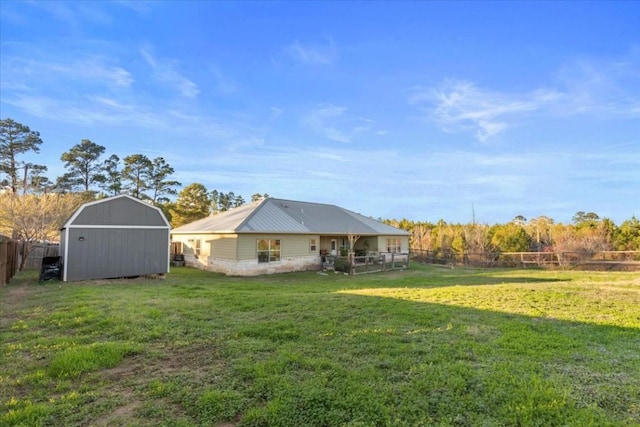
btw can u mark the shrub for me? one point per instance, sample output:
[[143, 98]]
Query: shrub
[[341, 264]]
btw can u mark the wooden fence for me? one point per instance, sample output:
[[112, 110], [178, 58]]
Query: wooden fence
[[8, 259], [37, 252], [600, 260]]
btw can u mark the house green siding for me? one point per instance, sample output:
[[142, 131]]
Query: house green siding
[[229, 239], [291, 245], [223, 246], [190, 244], [298, 245], [383, 240]]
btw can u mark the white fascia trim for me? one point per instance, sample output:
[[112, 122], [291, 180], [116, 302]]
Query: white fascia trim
[[146, 227], [66, 254], [168, 251]]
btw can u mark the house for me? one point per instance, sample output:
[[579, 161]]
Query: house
[[118, 236], [275, 235]]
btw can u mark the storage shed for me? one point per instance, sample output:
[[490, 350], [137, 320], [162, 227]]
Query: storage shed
[[119, 236]]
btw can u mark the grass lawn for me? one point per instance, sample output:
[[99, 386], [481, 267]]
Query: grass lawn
[[423, 347]]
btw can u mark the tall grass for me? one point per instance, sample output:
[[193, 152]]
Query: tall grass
[[427, 346]]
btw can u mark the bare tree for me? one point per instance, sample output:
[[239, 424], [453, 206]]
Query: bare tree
[[35, 219]]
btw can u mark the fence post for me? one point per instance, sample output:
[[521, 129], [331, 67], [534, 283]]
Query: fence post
[[8, 259], [4, 258]]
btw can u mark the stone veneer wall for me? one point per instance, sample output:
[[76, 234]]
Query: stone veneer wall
[[251, 267]]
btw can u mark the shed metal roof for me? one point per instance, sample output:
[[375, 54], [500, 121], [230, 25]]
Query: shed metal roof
[[289, 216], [117, 211]]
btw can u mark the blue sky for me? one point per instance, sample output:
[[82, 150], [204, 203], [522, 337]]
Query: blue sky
[[418, 110]]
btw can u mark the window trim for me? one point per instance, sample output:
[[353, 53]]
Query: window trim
[[273, 251], [394, 245]]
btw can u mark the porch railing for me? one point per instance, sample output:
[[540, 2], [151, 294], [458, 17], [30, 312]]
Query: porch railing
[[370, 263]]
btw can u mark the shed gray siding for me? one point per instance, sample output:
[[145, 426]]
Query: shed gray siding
[[116, 252], [115, 237]]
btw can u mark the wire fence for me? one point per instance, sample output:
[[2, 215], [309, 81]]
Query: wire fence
[[597, 260]]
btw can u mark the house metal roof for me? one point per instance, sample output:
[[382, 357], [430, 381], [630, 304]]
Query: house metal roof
[[291, 217]]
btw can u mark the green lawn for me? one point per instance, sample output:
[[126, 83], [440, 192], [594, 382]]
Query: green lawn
[[422, 347]]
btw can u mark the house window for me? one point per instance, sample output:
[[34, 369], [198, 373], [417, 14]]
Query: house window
[[312, 245], [197, 247], [268, 250], [393, 245]]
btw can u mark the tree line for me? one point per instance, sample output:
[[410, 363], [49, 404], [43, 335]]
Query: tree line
[[588, 233], [93, 176], [33, 207], [86, 170]]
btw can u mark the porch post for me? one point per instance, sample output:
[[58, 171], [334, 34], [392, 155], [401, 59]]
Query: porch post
[[351, 267]]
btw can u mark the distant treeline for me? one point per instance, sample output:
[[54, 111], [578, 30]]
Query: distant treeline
[[27, 215], [587, 233]]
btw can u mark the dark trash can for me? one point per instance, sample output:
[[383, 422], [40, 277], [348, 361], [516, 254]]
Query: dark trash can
[[178, 260], [50, 268]]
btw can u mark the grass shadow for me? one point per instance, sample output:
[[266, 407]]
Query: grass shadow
[[419, 347]]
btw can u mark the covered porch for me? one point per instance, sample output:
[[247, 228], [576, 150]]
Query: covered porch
[[369, 254]]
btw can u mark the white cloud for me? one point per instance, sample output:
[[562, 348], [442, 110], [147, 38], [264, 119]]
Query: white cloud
[[461, 105], [91, 69], [165, 73], [112, 103], [318, 54], [276, 112], [335, 123], [89, 110], [141, 7], [223, 84], [321, 121], [601, 88], [610, 88]]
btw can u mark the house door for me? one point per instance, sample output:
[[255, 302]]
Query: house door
[[334, 247]]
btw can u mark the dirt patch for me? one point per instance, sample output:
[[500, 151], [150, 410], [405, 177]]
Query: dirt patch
[[15, 294], [197, 360], [119, 416], [12, 296], [129, 382]]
